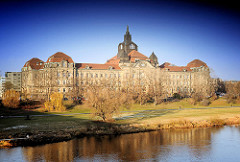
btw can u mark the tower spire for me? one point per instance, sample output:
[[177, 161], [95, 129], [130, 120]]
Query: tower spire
[[127, 37]]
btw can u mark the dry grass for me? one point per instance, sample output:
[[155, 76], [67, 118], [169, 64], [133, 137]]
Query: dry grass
[[190, 118]]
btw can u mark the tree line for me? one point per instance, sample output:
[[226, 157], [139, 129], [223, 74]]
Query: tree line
[[107, 97]]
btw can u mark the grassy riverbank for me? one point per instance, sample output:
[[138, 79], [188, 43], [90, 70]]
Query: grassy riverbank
[[47, 129]]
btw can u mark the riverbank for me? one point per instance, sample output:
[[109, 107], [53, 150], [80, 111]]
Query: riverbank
[[49, 129]]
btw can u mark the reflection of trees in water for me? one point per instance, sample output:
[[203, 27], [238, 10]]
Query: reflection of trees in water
[[148, 145]]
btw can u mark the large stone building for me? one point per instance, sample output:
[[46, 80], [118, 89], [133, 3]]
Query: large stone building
[[15, 79], [129, 68]]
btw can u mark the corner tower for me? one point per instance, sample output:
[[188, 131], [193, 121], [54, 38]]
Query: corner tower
[[126, 47], [153, 59]]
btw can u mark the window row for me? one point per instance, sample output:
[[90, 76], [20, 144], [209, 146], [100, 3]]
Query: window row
[[97, 75], [180, 76]]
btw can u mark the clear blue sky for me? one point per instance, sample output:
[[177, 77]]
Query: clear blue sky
[[177, 31]]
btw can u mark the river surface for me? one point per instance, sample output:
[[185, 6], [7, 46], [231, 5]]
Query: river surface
[[205, 144]]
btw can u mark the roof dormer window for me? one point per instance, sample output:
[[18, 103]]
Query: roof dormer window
[[87, 67]]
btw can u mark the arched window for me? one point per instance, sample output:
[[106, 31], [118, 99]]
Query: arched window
[[121, 46], [132, 46]]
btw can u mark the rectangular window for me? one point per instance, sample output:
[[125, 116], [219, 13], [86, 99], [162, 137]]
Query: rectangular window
[[63, 89]]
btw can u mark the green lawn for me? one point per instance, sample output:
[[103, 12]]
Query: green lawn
[[138, 115]]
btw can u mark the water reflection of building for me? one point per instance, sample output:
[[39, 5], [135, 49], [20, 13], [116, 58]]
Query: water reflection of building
[[131, 147]]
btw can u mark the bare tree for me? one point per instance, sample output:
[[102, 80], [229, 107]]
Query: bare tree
[[233, 91], [11, 98], [8, 85], [105, 99]]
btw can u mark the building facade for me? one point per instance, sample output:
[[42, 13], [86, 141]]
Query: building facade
[[15, 79], [129, 68], [2, 81]]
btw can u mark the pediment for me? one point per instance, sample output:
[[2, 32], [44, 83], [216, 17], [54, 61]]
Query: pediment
[[142, 64]]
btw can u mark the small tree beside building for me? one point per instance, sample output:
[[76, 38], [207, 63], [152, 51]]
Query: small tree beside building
[[55, 103], [11, 98]]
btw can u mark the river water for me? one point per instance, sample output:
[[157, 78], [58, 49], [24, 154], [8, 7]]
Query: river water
[[205, 144]]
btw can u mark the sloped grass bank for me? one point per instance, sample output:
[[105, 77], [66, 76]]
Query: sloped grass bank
[[187, 118], [48, 129]]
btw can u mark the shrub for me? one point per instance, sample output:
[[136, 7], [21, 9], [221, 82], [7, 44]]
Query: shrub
[[238, 100], [196, 97], [55, 103], [214, 97], [205, 102], [11, 99], [176, 96], [230, 98]]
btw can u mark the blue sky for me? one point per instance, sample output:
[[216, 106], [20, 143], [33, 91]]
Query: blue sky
[[177, 31]]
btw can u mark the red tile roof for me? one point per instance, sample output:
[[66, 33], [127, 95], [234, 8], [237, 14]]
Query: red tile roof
[[171, 67], [133, 55], [196, 63], [35, 63], [58, 57], [96, 66]]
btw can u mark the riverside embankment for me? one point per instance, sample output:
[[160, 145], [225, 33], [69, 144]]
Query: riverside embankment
[[42, 129]]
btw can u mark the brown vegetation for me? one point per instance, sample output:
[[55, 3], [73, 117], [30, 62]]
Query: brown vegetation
[[8, 85], [106, 100], [5, 144], [55, 103], [11, 99], [205, 102], [233, 92]]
